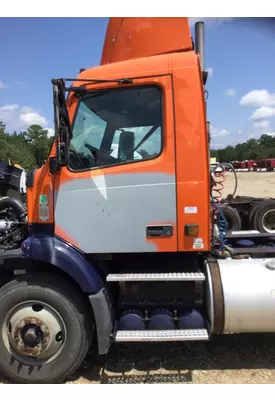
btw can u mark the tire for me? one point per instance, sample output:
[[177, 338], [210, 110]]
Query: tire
[[264, 215], [251, 214], [63, 307], [232, 217]]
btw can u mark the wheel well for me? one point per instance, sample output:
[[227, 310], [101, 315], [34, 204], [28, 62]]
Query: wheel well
[[10, 272], [39, 266]]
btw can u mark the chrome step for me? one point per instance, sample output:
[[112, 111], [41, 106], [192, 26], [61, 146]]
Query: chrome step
[[174, 335], [167, 276]]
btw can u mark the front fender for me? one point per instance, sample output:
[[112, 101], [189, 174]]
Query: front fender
[[52, 250]]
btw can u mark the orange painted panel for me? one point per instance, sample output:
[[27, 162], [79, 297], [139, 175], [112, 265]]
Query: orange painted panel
[[185, 145], [164, 164], [135, 37], [192, 163], [43, 185]]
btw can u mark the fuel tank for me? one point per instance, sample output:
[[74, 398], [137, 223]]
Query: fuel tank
[[249, 295]]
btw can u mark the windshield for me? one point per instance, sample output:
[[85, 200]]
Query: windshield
[[117, 126]]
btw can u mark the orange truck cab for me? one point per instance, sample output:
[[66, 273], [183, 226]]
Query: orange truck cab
[[147, 98], [123, 244]]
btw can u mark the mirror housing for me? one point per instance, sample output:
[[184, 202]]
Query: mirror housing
[[61, 122], [54, 165]]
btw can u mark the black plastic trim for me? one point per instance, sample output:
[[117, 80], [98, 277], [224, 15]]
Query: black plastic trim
[[160, 231], [30, 178], [54, 165], [102, 309], [204, 77], [37, 229]]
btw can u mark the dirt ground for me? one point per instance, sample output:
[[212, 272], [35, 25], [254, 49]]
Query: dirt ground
[[224, 359], [258, 184]]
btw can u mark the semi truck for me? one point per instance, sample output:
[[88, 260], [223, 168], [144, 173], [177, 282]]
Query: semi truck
[[116, 248], [264, 165]]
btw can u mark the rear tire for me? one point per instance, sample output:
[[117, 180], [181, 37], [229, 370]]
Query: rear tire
[[264, 217], [37, 307], [232, 217], [251, 214]]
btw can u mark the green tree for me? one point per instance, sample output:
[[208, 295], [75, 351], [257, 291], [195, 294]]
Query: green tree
[[2, 128], [253, 149], [37, 137], [3, 148], [24, 148]]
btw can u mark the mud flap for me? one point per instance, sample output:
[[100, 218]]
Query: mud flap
[[103, 314]]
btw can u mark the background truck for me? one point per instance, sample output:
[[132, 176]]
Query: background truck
[[118, 248], [264, 165], [12, 181], [241, 213]]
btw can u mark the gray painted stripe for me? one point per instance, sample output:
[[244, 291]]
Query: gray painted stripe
[[110, 213]]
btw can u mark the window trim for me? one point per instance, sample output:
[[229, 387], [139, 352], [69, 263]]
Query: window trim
[[162, 104]]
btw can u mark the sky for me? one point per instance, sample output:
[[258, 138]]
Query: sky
[[239, 56]]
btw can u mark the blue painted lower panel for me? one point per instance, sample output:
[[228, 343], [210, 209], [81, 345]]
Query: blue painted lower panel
[[52, 250]]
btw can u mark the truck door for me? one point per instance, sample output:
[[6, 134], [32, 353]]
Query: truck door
[[118, 192]]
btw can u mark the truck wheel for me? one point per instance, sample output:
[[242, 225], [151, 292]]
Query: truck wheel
[[251, 214], [232, 217], [264, 217], [45, 332]]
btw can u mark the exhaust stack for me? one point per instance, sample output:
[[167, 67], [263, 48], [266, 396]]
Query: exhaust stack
[[199, 48], [199, 41]]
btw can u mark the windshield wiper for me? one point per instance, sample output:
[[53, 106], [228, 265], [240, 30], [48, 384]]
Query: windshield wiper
[[82, 88]]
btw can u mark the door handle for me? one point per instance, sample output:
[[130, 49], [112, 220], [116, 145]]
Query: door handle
[[161, 231]]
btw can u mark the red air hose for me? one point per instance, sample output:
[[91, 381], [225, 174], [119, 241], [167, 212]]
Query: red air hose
[[219, 179]]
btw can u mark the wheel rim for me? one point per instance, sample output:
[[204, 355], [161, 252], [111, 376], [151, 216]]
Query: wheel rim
[[34, 333], [268, 221]]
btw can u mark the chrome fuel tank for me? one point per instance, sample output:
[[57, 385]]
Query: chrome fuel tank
[[249, 295]]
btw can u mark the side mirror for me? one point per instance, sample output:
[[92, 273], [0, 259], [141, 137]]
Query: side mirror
[[54, 165]]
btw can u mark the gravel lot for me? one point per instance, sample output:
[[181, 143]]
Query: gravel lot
[[258, 184], [225, 359]]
